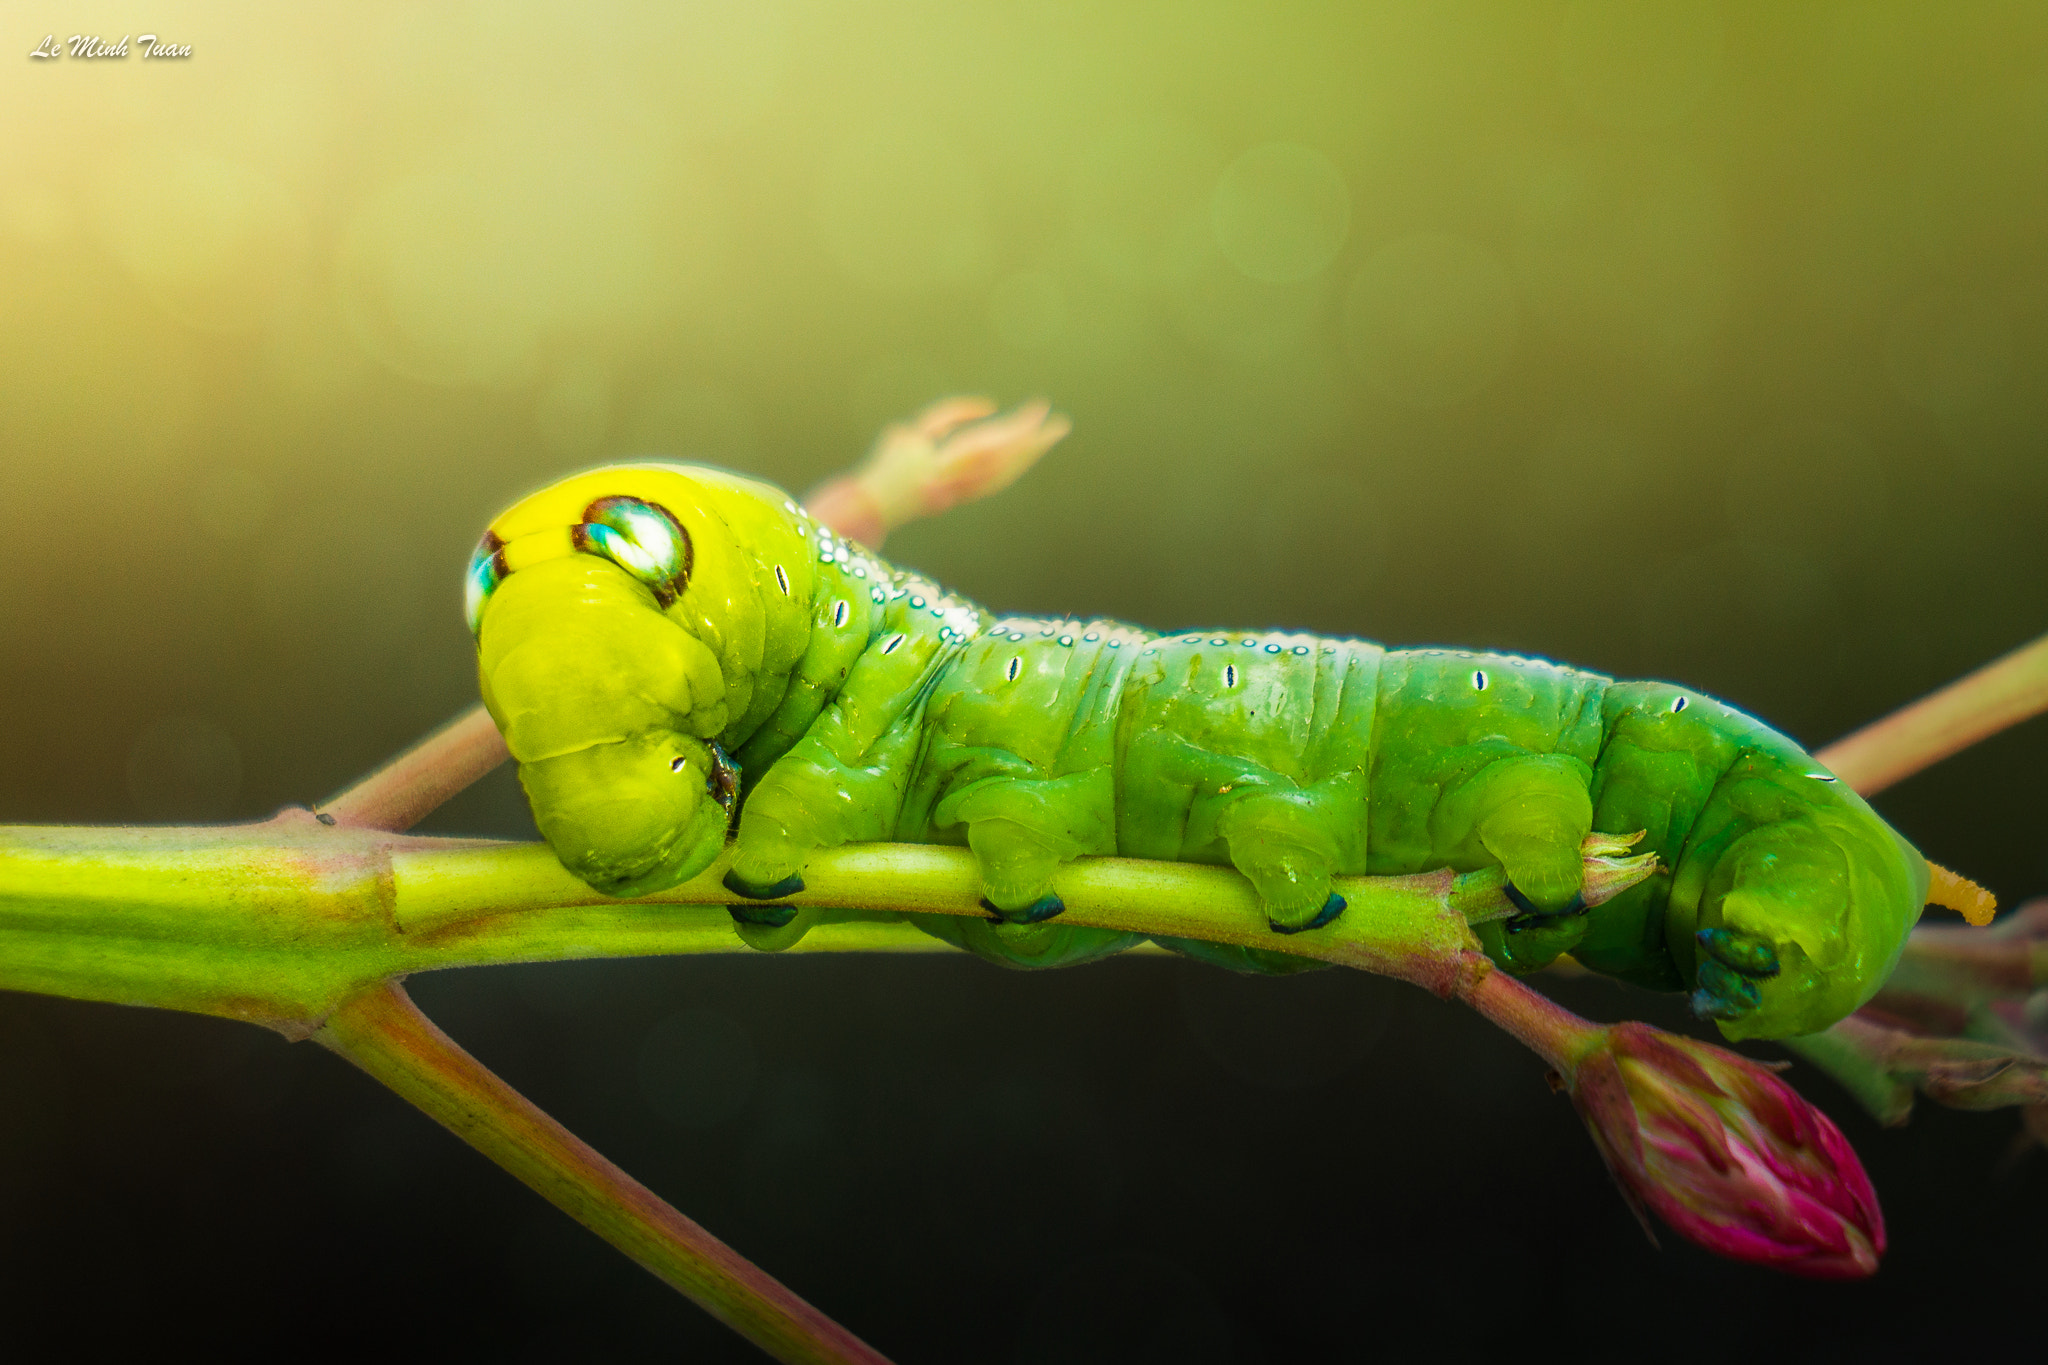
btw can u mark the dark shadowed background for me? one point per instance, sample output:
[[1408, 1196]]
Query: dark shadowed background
[[1695, 341]]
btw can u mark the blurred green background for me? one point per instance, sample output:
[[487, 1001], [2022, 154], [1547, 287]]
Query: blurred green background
[[1698, 341]]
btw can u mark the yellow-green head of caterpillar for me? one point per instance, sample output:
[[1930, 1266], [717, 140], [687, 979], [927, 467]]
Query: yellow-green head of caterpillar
[[626, 620]]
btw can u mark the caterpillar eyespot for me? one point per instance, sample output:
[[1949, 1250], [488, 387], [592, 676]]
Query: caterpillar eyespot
[[1230, 675], [839, 613], [1677, 705], [1478, 680], [641, 537], [676, 764], [1016, 665], [644, 538], [486, 570], [782, 580]]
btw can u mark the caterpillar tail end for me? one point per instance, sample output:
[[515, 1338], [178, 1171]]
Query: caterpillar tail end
[[1953, 891]]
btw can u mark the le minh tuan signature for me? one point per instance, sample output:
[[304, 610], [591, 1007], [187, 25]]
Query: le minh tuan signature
[[87, 48]]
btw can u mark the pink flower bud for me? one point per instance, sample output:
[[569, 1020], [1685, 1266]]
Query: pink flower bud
[[1727, 1154]]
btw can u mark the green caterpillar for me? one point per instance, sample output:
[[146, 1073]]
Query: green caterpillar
[[666, 647]]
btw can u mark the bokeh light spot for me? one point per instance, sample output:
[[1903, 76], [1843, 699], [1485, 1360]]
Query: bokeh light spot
[[1133, 189], [456, 276], [1280, 212], [1227, 311], [423, 287], [217, 245]]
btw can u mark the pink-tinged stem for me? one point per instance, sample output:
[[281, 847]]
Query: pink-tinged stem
[[407, 789], [1546, 1028], [2000, 694], [385, 1034]]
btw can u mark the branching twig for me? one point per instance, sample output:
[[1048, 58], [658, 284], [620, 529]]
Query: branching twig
[[953, 452], [307, 921], [2000, 694], [382, 1032], [411, 786]]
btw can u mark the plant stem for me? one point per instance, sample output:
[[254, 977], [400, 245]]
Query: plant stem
[[490, 899], [2000, 694], [1948, 974], [1845, 1053], [1546, 1028], [384, 1033], [404, 791]]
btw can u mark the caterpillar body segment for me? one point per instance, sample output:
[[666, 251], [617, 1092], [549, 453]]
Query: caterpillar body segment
[[639, 625]]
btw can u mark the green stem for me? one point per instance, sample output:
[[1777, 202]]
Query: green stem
[[279, 922], [499, 899], [382, 1032], [1845, 1053], [302, 924], [1883, 1066]]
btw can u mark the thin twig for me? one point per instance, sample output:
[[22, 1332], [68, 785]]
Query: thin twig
[[2000, 694], [384, 1033], [1531, 1018], [407, 789]]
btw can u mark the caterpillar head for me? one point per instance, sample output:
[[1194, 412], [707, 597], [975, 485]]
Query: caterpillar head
[[632, 624], [1792, 901]]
